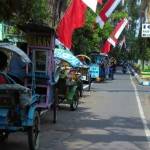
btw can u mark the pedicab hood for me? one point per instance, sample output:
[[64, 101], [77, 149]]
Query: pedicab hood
[[67, 56], [12, 48]]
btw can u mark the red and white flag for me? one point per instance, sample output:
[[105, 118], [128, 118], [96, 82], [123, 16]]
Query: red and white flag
[[117, 31], [92, 3], [73, 18], [106, 47], [106, 11]]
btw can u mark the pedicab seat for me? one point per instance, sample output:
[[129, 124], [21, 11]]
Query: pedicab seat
[[13, 94]]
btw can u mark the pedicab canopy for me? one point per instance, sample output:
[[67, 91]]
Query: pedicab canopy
[[67, 56], [12, 48], [83, 57], [85, 60]]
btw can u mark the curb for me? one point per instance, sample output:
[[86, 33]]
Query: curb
[[141, 82]]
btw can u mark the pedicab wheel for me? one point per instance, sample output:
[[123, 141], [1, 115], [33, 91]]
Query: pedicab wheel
[[33, 133], [75, 102], [81, 90], [55, 104], [81, 93], [89, 88], [90, 81], [3, 136]]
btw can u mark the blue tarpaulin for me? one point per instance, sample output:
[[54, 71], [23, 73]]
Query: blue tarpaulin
[[67, 56]]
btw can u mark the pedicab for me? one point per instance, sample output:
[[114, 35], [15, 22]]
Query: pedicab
[[69, 85], [98, 66], [85, 69], [19, 110]]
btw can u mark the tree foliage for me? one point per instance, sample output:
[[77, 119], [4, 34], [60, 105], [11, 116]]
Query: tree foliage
[[12, 10], [24, 11], [86, 39], [139, 47]]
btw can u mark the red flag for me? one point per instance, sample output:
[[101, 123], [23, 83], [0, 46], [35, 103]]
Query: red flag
[[73, 18], [100, 1], [106, 11], [106, 48], [117, 31]]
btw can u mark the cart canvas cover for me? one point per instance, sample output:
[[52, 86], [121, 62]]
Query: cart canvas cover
[[67, 56], [12, 48]]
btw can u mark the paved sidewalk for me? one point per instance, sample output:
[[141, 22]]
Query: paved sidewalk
[[141, 81]]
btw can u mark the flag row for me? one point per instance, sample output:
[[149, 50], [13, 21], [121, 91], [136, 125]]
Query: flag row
[[74, 18]]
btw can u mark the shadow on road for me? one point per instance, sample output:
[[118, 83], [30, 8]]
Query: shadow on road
[[82, 125]]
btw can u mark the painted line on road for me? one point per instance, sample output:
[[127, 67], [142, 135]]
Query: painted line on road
[[43, 112], [143, 118], [86, 86]]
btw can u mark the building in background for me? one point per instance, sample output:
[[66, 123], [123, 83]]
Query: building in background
[[9, 33]]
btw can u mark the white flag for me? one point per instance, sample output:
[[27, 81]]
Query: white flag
[[91, 4]]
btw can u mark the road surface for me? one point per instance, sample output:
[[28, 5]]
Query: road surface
[[113, 116]]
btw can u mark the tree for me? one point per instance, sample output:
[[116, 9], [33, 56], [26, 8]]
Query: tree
[[24, 11], [139, 46]]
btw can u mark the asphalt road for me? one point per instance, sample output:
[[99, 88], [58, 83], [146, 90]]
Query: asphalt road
[[108, 118]]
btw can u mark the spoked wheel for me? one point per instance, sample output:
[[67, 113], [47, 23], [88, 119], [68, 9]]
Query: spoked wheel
[[33, 133], [89, 82], [81, 90], [55, 108], [75, 102], [3, 136], [89, 88]]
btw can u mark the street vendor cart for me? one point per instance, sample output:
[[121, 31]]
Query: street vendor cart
[[41, 74]]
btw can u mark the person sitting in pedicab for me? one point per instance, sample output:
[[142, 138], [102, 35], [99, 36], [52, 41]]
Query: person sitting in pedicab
[[61, 84], [71, 77], [71, 84], [3, 66]]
